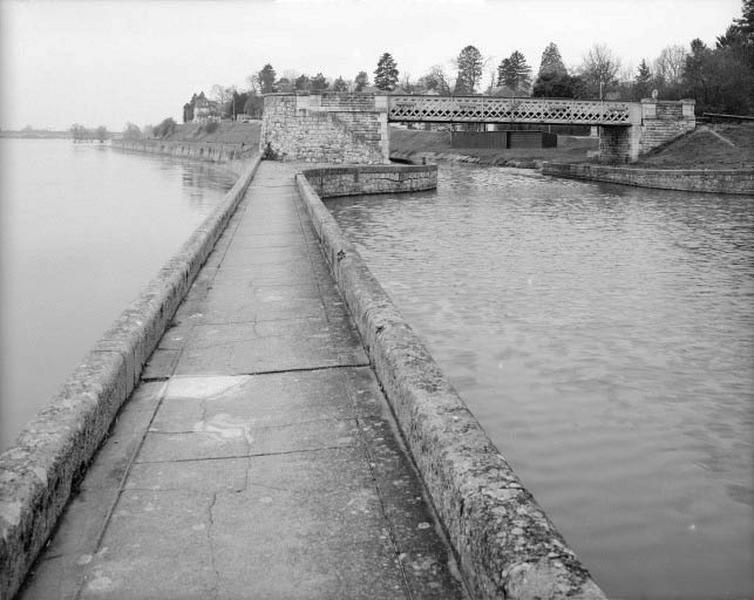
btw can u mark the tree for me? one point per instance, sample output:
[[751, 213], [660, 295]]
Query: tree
[[553, 85], [340, 85], [131, 132], [514, 73], [165, 128], [319, 83], [643, 81], [436, 80], [361, 81], [470, 65], [254, 106], [669, 66], [302, 83], [79, 132], [551, 62], [599, 70], [101, 133], [386, 73], [266, 78]]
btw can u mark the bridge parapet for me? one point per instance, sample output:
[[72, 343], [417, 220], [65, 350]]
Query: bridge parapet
[[488, 109]]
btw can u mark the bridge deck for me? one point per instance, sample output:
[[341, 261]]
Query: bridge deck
[[255, 460], [487, 109]]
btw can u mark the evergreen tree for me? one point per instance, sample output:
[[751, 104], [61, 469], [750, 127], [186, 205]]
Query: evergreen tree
[[386, 73], [469, 69], [551, 62], [361, 81], [339, 85], [643, 81], [514, 73], [319, 83], [303, 83], [266, 79], [552, 85]]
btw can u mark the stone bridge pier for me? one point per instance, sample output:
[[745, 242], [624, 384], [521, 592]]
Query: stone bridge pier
[[353, 127]]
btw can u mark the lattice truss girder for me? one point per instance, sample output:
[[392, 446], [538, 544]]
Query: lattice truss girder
[[507, 110]]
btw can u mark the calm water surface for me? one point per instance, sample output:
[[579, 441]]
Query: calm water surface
[[84, 228], [604, 337]]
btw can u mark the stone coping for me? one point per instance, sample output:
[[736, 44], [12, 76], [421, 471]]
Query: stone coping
[[505, 544], [717, 181], [39, 473], [371, 179]]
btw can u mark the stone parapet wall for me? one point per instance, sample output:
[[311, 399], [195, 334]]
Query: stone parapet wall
[[688, 180], [664, 121], [350, 181], [204, 151], [505, 544], [39, 473], [334, 128]]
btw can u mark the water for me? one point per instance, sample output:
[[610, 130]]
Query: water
[[84, 228], [604, 337]]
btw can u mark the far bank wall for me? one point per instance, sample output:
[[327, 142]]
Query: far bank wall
[[688, 180]]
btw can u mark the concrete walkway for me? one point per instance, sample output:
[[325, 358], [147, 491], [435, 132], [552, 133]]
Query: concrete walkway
[[256, 459]]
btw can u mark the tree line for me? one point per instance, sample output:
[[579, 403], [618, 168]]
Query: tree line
[[79, 133], [719, 78]]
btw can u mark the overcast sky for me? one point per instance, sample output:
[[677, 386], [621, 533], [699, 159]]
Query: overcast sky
[[106, 63]]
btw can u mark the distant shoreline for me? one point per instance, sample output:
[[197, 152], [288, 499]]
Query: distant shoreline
[[36, 134]]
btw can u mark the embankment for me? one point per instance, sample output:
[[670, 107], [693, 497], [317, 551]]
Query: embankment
[[730, 181], [218, 152], [39, 473], [505, 544]]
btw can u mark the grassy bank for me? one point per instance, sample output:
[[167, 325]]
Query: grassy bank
[[227, 132], [404, 142], [729, 146]]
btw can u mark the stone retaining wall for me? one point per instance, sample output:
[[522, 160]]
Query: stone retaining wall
[[350, 181], [687, 180], [205, 151], [328, 128], [505, 544], [52, 452]]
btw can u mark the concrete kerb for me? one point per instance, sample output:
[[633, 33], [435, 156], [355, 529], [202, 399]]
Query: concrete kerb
[[51, 453], [505, 544]]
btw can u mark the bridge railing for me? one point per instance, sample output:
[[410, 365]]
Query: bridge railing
[[487, 109]]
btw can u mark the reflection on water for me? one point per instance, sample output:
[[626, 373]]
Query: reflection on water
[[604, 337], [84, 228]]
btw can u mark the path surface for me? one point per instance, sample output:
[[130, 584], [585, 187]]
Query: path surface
[[256, 458]]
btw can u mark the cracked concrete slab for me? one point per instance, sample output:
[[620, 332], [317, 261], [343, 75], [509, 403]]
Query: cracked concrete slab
[[264, 466]]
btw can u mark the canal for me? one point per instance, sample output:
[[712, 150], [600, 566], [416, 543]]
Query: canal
[[84, 228], [604, 337]]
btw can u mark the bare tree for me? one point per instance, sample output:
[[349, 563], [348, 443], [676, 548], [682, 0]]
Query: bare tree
[[437, 80], [599, 69], [669, 66]]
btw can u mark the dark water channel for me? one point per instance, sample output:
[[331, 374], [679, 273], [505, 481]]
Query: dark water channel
[[604, 337], [83, 229]]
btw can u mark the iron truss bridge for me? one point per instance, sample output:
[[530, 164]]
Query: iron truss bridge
[[485, 109]]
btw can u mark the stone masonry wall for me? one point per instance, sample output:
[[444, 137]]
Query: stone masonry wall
[[663, 121], [332, 128], [653, 124], [349, 181], [690, 180], [614, 145]]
